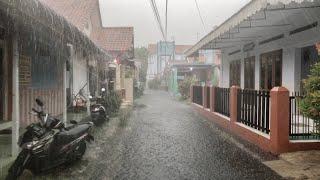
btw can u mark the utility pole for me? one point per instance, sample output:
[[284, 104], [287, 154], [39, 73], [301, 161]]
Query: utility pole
[[166, 20]]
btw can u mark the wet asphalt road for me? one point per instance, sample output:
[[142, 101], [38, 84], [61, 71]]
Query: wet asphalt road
[[163, 139]]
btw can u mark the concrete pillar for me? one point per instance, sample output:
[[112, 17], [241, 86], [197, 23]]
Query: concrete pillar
[[257, 70], [233, 103], [64, 112], [242, 71], [191, 93], [15, 95], [212, 98], [204, 97], [288, 68], [279, 121], [88, 88]]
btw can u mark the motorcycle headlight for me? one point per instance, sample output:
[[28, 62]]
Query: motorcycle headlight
[[96, 109]]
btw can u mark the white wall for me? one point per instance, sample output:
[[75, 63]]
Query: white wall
[[152, 66], [80, 73], [291, 59]]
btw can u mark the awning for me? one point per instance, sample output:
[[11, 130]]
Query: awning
[[256, 16]]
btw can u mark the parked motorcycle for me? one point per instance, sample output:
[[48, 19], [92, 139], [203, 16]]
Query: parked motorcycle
[[49, 143], [98, 111]]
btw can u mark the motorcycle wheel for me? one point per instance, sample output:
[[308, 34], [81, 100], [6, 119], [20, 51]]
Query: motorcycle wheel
[[81, 149], [17, 168]]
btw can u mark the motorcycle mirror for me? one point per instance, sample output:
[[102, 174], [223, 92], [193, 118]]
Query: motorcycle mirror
[[39, 102], [103, 89]]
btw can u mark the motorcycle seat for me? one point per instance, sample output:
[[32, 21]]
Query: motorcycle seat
[[72, 134]]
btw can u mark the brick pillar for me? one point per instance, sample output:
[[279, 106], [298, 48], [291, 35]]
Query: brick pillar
[[233, 103], [204, 96], [279, 121], [212, 98], [191, 93]]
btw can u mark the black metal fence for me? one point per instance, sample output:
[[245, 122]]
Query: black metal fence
[[197, 95], [300, 126], [208, 105], [222, 101], [254, 109]]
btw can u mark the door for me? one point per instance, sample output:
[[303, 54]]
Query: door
[[235, 73], [271, 70]]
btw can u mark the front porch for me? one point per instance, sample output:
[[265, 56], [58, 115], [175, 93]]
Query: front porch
[[267, 44]]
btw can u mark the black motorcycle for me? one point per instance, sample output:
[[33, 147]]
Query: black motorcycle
[[97, 110], [49, 143]]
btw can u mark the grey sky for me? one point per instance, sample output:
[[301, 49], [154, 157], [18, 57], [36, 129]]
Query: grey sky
[[184, 23]]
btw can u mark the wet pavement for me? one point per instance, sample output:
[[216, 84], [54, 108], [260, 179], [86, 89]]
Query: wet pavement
[[162, 139]]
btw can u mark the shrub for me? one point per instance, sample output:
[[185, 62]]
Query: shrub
[[111, 102], [184, 87], [310, 104], [138, 89]]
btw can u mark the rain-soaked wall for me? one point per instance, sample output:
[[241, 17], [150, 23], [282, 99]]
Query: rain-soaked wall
[[40, 76]]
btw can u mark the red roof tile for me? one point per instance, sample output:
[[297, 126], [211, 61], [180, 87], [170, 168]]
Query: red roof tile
[[77, 12], [180, 49], [152, 48], [116, 38], [80, 12]]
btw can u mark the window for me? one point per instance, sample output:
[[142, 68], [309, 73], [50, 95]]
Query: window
[[271, 70], [235, 73], [249, 68]]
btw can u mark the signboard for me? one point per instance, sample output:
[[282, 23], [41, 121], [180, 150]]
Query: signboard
[[24, 70], [165, 48]]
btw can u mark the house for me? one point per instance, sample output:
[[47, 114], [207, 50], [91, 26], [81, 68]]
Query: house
[[204, 69], [267, 49], [35, 46], [119, 43], [161, 54], [87, 73], [271, 46]]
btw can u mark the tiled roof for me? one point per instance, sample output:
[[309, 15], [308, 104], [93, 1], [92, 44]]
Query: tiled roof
[[116, 38], [152, 48], [77, 12], [180, 49]]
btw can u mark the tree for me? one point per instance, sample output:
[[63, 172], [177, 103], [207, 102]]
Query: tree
[[142, 53], [310, 104]]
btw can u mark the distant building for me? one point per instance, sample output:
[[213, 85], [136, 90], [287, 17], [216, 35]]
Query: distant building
[[163, 54]]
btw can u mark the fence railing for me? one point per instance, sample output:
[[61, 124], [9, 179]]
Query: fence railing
[[300, 126], [208, 97], [197, 95], [254, 109], [222, 99]]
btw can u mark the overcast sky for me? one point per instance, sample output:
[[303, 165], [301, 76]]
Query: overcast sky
[[184, 24]]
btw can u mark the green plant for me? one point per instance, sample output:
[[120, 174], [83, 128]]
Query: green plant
[[310, 104], [184, 87], [112, 102], [138, 89]]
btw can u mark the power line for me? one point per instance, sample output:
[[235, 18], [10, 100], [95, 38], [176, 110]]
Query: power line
[[202, 21], [157, 17]]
